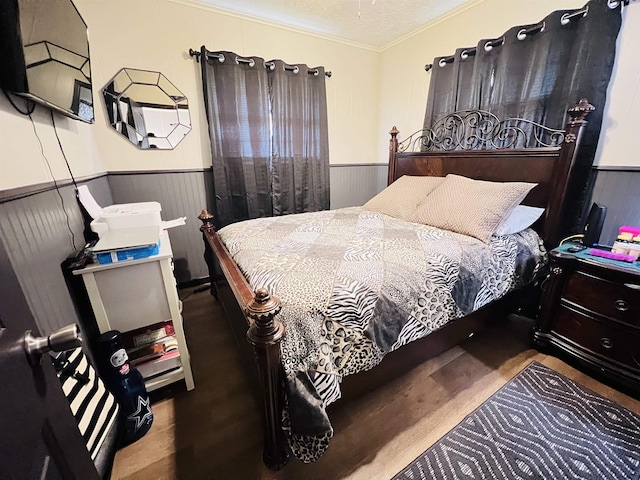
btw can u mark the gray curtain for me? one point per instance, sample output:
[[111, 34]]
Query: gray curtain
[[567, 56], [237, 104], [269, 136], [300, 158]]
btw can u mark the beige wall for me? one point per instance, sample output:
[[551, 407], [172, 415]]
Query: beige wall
[[369, 92], [404, 83], [156, 35], [21, 160], [618, 145]]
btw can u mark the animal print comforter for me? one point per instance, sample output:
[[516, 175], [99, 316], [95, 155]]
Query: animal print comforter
[[356, 285]]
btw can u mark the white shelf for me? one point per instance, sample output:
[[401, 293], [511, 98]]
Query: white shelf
[[164, 379], [164, 252], [137, 293]]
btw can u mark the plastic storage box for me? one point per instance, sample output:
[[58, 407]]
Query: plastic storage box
[[127, 254]]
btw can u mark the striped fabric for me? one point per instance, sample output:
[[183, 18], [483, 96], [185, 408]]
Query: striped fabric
[[93, 406], [355, 285]]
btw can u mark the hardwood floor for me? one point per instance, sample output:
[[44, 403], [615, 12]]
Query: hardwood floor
[[213, 432]]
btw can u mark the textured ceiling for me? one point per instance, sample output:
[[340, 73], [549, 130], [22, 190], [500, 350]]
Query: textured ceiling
[[372, 23]]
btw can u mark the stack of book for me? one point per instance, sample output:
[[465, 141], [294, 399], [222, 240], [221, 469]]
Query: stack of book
[[154, 350], [140, 337]]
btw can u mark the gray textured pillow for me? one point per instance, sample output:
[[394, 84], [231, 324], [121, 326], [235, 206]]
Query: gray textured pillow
[[402, 197], [470, 207]]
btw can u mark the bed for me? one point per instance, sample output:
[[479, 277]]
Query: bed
[[394, 282]]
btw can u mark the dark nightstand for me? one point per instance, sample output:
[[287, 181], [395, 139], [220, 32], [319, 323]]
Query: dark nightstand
[[590, 310]]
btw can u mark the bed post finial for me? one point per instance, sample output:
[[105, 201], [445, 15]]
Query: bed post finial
[[207, 228], [265, 334], [580, 111], [207, 221], [393, 150], [262, 310]]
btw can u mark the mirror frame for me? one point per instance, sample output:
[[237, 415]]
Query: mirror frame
[[121, 115]]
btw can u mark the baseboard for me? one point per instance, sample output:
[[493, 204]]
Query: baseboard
[[194, 282]]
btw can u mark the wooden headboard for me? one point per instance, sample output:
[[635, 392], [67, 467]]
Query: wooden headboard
[[504, 155], [476, 144]]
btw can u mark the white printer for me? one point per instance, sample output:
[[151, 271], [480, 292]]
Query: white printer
[[127, 231], [127, 216]]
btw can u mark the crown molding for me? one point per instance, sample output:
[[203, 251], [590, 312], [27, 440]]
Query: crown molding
[[432, 24], [271, 23]]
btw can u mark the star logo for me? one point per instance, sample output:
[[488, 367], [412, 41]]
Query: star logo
[[143, 413]]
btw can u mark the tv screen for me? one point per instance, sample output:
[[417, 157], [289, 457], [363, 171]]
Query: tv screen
[[45, 55]]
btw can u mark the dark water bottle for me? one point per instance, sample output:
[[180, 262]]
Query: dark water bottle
[[127, 385]]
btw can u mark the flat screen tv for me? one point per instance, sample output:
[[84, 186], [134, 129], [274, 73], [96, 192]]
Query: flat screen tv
[[44, 55]]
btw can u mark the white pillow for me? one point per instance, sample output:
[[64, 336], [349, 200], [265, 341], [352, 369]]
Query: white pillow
[[520, 218]]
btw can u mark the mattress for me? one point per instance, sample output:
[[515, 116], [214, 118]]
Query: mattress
[[356, 285]]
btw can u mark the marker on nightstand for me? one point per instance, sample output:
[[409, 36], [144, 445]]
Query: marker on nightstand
[[611, 255]]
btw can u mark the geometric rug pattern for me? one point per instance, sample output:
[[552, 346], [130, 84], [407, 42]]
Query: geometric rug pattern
[[540, 425]]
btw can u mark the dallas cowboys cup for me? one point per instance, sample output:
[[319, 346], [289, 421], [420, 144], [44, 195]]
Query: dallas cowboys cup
[[127, 385]]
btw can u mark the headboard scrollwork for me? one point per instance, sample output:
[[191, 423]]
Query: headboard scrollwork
[[477, 144], [481, 130]]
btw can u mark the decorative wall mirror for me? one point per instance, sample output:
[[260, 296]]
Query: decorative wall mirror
[[147, 109]]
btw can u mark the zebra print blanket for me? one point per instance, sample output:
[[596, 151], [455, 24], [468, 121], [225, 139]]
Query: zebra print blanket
[[356, 285]]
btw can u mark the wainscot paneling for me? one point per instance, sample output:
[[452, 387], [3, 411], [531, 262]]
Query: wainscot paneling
[[33, 226], [38, 236], [353, 185], [186, 193], [618, 191], [181, 194]]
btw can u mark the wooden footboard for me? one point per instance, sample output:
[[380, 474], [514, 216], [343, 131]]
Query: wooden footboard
[[549, 167], [256, 322], [264, 333]]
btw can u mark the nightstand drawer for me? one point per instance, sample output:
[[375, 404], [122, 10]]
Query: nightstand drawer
[[608, 341], [614, 300]]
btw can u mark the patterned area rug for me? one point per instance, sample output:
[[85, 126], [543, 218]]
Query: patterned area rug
[[540, 425]]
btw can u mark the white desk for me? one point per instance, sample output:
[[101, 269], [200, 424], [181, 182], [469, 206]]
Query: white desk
[[137, 293]]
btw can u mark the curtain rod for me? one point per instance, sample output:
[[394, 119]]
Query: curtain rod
[[251, 62]]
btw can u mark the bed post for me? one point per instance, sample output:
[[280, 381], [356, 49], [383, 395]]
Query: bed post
[[265, 334], [207, 227], [393, 149], [562, 172]]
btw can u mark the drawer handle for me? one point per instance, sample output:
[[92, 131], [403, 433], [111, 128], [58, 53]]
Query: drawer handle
[[632, 286], [622, 305], [606, 343]]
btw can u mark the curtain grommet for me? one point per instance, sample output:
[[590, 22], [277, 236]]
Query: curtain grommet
[[566, 17]]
